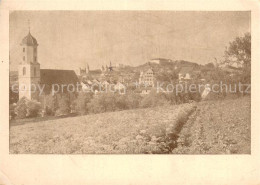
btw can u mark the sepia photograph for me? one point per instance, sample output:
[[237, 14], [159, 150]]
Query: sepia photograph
[[129, 82]]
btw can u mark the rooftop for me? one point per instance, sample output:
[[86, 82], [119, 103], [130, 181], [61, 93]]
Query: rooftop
[[53, 76], [29, 40]]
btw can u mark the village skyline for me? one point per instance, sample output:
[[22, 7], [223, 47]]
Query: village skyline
[[124, 37]]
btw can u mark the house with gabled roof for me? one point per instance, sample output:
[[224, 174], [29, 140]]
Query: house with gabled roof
[[147, 77], [121, 88], [105, 83]]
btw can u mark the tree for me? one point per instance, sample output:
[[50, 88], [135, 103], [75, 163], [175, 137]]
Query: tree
[[13, 96], [121, 102], [133, 100], [51, 104], [104, 102], [81, 102], [239, 51], [21, 109], [209, 65], [33, 108], [27, 108], [64, 105], [154, 99], [167, 76]]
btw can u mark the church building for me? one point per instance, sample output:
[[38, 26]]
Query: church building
[[30, 75]]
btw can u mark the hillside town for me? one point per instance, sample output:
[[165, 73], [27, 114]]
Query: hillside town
[[124, 79], [139, 79]]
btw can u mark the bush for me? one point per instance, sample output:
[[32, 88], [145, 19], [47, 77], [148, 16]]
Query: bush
[[133, 100], [27, 108], [172, 98], [11, 111], [33, 108], [154, 99], [51, 104], [13, 96], [196, 96], [81, 102], [109, 102], [121, 102], [105, 102], [64, 105], [21, 108]]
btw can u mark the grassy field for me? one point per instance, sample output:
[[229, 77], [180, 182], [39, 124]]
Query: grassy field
[[132, 131], [217, 127], [209, 127]]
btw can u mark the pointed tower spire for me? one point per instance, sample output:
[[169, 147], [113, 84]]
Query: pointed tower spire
[[29, 25]]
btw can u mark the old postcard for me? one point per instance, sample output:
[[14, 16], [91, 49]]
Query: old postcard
[[130, 81]]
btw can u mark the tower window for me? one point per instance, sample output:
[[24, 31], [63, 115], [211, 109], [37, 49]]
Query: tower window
[[34, 71], [23, 49], [35, 59], [34, 50], [23, 58], [24, 71]]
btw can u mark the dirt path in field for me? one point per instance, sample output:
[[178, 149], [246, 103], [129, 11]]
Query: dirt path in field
[[217, 127]]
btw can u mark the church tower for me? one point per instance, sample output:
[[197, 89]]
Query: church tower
[[29, 69]]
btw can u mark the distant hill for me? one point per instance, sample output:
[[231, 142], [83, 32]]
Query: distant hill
[[166, 64]]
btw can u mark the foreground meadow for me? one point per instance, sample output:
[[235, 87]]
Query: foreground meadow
[[151, 130], [207, 127]]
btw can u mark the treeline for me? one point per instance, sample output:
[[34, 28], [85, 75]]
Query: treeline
[[88, 103]]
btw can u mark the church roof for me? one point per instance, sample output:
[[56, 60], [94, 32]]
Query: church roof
[[29, 40], [53, 76]]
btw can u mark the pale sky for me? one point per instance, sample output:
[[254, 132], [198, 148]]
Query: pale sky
[[70, 39]]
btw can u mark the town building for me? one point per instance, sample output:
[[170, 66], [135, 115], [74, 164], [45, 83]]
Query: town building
[[86, 73], [119, 87], [146, 90], [185, 73], [147, 77]]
